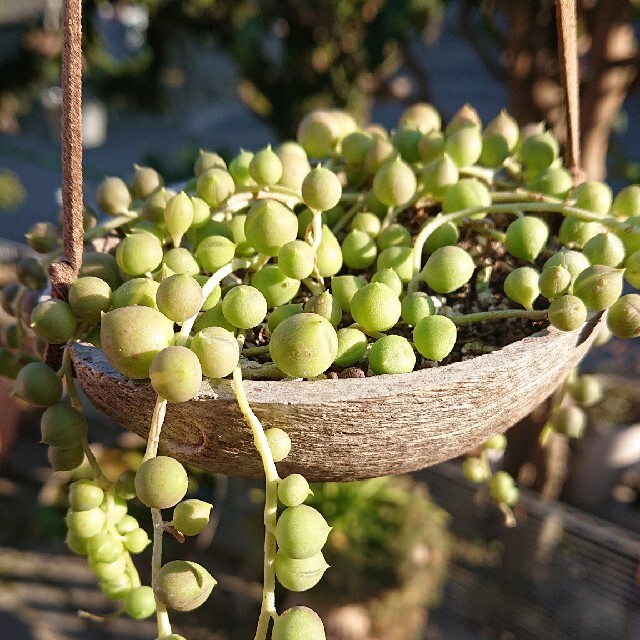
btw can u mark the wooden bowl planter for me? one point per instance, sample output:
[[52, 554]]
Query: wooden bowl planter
[[349, 429]]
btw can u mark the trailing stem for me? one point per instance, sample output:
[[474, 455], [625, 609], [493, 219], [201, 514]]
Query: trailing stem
[[549, 207], [358, 205], [260, 192], [316, 226], [393, 212], [162, 616], [499, 314], [268, 607], [109, 225], [208, 287], [157, 420]]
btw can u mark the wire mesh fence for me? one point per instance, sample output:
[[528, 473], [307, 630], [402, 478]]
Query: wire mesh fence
[[560, 574]]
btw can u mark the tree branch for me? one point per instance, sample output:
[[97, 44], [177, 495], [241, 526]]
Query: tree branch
[[467, 26]]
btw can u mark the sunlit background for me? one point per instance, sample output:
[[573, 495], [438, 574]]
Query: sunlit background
[[164, 79]]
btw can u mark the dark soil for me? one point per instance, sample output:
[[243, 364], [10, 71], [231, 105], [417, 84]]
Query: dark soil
[[483, 293]]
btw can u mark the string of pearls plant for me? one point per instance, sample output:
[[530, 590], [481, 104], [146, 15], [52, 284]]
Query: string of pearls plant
[[353, 249]]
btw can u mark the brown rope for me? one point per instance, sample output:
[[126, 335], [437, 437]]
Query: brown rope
[[568, 52], [63, 273]]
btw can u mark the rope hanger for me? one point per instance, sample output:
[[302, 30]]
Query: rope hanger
[[63, 273], [568, 52]]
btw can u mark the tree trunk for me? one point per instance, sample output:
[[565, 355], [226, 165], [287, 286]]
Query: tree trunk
[[529, 57], [609, 66], [610, 79]]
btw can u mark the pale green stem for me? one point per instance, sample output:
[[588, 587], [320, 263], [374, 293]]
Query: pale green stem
[[268, 607], [109, 225], [259, 261], [389, 218], [157, 420], [316, 230], [314, 238], [350, 213], [98, 475], [486, 231], [499, 314], [132, 572], [348, 196], [522, 195], [231, 206], [507, 512], [208, 287], [244, 195], [487, 175], [414, 283], [550, 207], [392, 213], [314, 287], [109, 523], [255, 351], [95, 618], [258, 192], [545, 434], [162, 617], [260, 440]]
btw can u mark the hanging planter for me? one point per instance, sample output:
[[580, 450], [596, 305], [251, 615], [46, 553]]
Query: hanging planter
[[379, 425], [340, 351], [358, 428], [349, 428]]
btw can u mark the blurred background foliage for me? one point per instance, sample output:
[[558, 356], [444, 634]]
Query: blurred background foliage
[[295, 55]]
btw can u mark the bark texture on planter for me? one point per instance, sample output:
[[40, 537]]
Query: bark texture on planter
[[351, 428]]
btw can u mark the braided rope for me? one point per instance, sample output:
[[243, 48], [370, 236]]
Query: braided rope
[[568, 52], [64, 272]]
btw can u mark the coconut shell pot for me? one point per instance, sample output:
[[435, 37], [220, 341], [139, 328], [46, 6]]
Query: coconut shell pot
[[349, 429]]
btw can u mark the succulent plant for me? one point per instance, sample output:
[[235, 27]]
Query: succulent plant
[[372, 259]]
